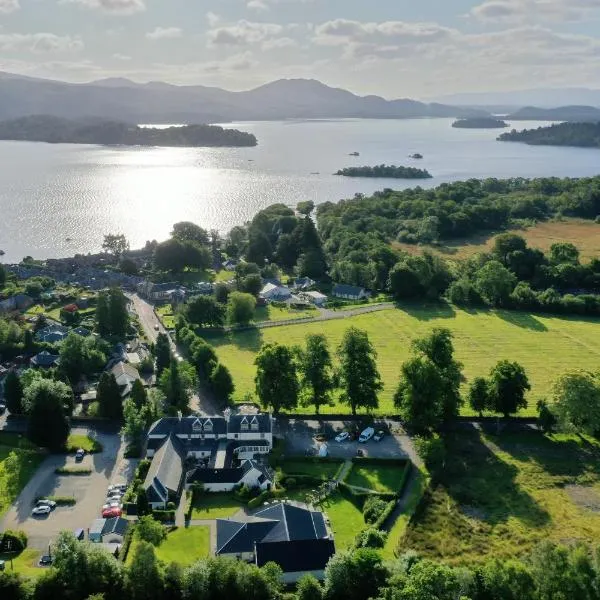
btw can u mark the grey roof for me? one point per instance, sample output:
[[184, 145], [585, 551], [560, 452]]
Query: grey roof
[[217, 475], [234, 537], [116, 525], [166, 469], [45, 359], [82, 331], [297, 556], [347, 290], [296, 523], [263, 421], [188, 426], [97, 526]]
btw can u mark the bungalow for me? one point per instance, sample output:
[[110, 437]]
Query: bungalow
[[125, 375], [294, 536], [349, 292], [230, 264], [108, 531], [157, 292], [52, 334], [303, 283], [315, 298], [277, 293], [250, 473], [45, 360]]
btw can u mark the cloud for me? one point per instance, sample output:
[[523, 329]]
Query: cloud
[[39, 43], [8, 6], [164, 33], [118, 7], [264, 5], [123, 57], [521, 11], [243, 33], [278, 43]]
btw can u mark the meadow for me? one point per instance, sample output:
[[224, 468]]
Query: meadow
[[545, 345]]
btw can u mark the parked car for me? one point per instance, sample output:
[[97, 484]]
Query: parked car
[[342, 437], [2, 408], [45, 560], [50, 503], [79, 534], [379, 436], [108, 513], [2, 565], [79, 455], [323, 450], [41, 510], [366, 435], [111, 504], [117, 487]]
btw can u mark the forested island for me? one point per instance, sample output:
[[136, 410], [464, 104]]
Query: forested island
[[55, 130], [390, 171], [584, 135], [480, 123]]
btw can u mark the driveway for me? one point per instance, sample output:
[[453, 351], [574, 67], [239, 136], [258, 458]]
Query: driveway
[[89, 491], [299, 436]]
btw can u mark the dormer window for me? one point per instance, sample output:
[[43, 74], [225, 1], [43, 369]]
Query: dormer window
[[244, 424], [197, 425], [254, 424], [208, 425]]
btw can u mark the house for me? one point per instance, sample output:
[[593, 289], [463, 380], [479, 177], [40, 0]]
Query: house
[[83, 302], [16, 302], [221, 453], [158, 292], [315, 298], [133, 358], [303, 283], [108, 531], [277, 293], [52, 334], [349, 292], [230, 264], [125, 375], [45, 360], [294, 536], [82, 331], [204, 288], [70, 308]]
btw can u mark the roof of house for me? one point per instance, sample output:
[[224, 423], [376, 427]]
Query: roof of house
[[97, 526], [45, 359], [347, 290], [316, 295], [125, 375], [295, 523], [262, 421], [82, 331], [116, 525], [71, 308], [166, 468], [216, 425], [235, 537], [304, 282], [296, 556]]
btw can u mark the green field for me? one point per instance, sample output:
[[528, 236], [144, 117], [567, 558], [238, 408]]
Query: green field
[[76, 441], [377, 477], [24, 563], [500, 495], [276, 313], [313, 467], [545, 345], [185, 545], [215, 506]]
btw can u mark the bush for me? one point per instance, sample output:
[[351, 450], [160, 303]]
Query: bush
[[373, 508], [13, 541], [150, 530], [385, 515], [164, 516], [60, 500], [171, 506], [370, 538], [72, 471]]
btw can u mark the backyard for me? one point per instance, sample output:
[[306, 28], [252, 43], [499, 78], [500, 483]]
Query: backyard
[[545, 345], [378, 476], [215, 506], [185, 545], [500, 495]]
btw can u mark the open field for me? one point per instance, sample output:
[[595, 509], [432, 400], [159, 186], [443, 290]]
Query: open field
[[377, 477], [275, 313], [185, 545], [582, 233], [500, 495], [24, 563], [545, 345], [216, 506]]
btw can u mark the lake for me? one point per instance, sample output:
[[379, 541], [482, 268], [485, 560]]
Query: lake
[[58, 200]]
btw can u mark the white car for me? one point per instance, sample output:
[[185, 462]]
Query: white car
[[112, 504], [342, 437], [41, 510], [366, 435], [49, 503]]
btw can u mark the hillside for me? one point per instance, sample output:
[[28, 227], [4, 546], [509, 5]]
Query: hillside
[[584, 135], [44, 128], [562, 113], [158, 102]]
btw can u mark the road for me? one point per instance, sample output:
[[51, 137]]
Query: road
[[89, 491]]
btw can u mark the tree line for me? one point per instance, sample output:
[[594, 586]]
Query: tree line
[[585, 135], [389, 171]]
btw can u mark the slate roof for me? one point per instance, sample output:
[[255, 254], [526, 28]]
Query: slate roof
[[166, 468], [294, 557], [295, 523], [116, 525], [341, 289], [197, 425], [234, 537], [45, 359], [263, 420]]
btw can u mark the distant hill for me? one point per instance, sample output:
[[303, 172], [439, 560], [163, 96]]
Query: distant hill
[[584, 135], [55, 130], [562, 113], [157, 102]]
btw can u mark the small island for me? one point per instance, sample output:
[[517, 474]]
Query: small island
[[416, 156], [55, 130], [480, 123], [385, 171], [582, 135]]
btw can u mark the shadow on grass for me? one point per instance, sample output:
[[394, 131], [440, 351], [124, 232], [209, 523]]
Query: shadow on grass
[[247, 339], [521, 319], [428, 312]]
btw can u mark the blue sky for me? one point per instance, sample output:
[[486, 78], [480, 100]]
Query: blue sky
[[394, 48]]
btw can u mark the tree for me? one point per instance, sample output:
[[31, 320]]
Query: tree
[[186, 231], [103, 314], [370, 538], [221, 383], [305, 207], [13, 586], [495, 283], [221, 292], [546, 418], [308, 588], [432, 450], [112, 316], [133, 427], [144, 577], [287, 251], [359, 378], [150, 530], [316, 372], [276, 379], [173, 582], [162, 351], [109, 397], [141, 503], [506, 244], [577, 401], [45, 401], [80, 356], [509, 580], [507, 386], [2, 276], [479, 399], [240, 308], [116, 244], [175, 255], [205, 311], [259, 248], [177, 383], [564, 252], [13, 393], [138, 394], [251, 284]]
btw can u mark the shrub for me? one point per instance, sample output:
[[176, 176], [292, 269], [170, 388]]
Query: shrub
[[385, 515], [60, 500], [370, 538], [150, 530], [13, 541], [164, 516], [373, 509], [72, 471], [171, 506]]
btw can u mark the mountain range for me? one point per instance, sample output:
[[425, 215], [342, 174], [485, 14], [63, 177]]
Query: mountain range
[[157, 102]]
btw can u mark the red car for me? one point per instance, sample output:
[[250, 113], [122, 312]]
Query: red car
[[108, 513]]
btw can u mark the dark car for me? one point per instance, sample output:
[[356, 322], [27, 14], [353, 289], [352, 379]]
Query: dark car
[[45, 560], [79, 534], [79, 455]]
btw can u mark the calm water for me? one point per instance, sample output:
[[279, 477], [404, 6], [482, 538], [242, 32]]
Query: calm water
[[53, 193]]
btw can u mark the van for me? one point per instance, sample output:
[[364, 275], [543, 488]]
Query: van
[[366, 435]]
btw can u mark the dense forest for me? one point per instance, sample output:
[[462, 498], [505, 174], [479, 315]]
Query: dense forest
[[389, 171], [479, 123], [43, 128], [585, 135]]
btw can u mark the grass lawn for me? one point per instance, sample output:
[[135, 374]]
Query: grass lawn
[[75, 441], [500, 495], [185, 545], [275, 313], [346, 519], [545, 345], [224, 275], [321, 470], [12, 481], [376, 477], [24, 563], [165, 314], [215, 506]]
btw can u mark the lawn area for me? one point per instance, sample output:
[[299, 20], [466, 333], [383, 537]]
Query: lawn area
[[346, 519], [275, 313], [545, 345], [319, 469], [185, 545], [224, 275], [377, 477], [24, 563], [500, 495], [23, 464], [90, 445], [165, 314], [215, 506]]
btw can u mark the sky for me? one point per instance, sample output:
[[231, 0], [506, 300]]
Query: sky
[[392, 48]]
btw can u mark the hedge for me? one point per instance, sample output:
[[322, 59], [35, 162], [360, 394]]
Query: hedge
[[127, 542], [60, 500], [13, 541], [385, 515], [164, 516], [72, 471], [264, 496]]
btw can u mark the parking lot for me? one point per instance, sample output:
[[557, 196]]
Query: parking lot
[[89, 491], [299, 436]]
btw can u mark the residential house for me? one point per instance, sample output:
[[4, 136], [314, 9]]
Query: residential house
[[230, 264], [158, 292], [315, 298], [82, 331], [204, 288], [52, 334], [108, 531], [45, 360], [275, 293], [294, 536], [349, 292], [16, 302], [303, 284], [70, 308], [125, 375], [224, 450]]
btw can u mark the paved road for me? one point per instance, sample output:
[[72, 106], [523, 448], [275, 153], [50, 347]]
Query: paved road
[[109, 466]]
